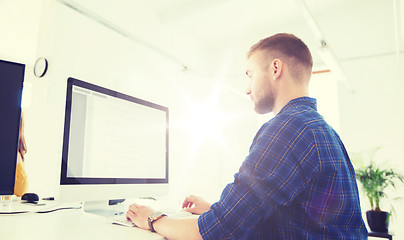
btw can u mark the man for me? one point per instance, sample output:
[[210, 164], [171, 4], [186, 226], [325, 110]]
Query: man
[[297, 181]]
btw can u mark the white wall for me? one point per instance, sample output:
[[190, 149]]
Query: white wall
[[19, 27], [79, 47], [373, 116]]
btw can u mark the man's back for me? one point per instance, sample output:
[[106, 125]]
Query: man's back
[[326, 203], [296, 183]]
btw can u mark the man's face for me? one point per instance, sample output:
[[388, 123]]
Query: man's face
[[260, 89]]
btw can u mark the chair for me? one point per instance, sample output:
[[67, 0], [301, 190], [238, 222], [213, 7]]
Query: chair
[[380, 235]]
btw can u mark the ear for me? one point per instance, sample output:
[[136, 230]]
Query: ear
[[276, 68]]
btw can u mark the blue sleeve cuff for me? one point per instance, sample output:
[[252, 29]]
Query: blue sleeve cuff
[[210, 226]]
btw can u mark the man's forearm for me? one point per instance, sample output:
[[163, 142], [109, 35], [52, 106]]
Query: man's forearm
[[177, 229]]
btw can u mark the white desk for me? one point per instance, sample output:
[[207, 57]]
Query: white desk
[[65, 224]]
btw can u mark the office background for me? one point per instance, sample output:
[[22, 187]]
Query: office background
[[190, 56]]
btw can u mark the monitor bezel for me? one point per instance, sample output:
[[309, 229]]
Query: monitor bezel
[[10, 121], [64, 179]]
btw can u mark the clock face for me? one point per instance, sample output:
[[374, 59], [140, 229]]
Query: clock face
[[41, 65]]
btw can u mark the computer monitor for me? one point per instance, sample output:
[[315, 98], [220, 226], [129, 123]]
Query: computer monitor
[[11, 85], [114, 145]]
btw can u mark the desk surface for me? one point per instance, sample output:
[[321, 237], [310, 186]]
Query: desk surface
[[66, 224]]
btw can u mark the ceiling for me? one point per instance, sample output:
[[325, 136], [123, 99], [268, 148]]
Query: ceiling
[[212, 36]]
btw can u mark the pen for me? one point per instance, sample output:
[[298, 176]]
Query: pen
[[48, 198]]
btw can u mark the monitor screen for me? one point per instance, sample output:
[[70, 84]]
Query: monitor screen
[[11, 85], [114, 145]]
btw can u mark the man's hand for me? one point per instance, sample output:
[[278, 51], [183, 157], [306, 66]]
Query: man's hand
[[139, 215], [200, 205], [171, 228]]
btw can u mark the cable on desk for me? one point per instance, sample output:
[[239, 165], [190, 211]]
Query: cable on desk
[[17, 212], [57, 209], [42, 211]]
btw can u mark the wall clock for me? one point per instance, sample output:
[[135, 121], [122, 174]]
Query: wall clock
[[40, 67]]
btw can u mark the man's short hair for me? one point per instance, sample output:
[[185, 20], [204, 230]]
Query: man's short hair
[[289, 49]]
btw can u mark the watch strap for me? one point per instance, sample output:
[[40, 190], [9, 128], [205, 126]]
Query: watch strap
[[151, 219]]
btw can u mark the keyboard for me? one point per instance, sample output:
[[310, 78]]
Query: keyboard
[[122, 220], [176, 213]]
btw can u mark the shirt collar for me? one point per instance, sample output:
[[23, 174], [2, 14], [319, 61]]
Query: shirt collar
[[308, 101]]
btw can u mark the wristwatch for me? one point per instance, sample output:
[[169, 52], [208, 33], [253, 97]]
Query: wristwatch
[[154, 217]]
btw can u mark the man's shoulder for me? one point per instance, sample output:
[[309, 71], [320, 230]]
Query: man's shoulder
[[299, 116], [290, 124], [287, 124]]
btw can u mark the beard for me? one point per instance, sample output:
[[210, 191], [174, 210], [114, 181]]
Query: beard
[[266, 102]]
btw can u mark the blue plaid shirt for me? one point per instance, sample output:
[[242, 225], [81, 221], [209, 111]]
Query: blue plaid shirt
[[296, 183]]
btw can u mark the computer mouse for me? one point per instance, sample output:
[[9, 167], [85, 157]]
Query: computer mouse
[[30, 197]]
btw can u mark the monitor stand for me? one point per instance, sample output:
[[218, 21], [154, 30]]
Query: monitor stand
[[103, 208], [5, 200]]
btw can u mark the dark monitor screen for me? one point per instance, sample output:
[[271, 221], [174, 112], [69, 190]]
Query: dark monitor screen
[[11, 84]]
